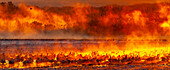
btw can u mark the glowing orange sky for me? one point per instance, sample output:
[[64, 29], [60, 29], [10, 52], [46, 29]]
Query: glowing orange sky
[[90, 2]]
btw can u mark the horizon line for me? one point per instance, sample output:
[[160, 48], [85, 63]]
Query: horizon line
[[86, 5]]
